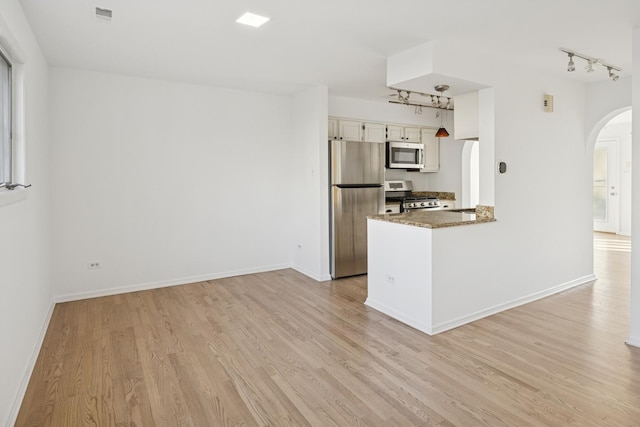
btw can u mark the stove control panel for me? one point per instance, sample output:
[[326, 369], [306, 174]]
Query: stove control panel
[[422, 204]]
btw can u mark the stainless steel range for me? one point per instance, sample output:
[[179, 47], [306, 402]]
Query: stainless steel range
[[402, 192]]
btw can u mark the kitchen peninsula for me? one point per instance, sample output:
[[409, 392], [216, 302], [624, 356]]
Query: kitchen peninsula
[[421, 266]]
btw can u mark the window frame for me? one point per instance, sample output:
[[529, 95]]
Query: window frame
[[13, 53], [7, 175]]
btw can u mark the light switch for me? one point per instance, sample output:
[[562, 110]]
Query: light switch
[[548, 103]]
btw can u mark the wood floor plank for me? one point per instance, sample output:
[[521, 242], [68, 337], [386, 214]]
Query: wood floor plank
[[280, 349]]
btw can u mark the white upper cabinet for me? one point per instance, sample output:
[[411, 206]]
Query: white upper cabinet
[[395, 133], [375, 132], [412, 134], [431, 150], [333, 129], [349, 130], [354, 130], [403, 133], [465, 116]]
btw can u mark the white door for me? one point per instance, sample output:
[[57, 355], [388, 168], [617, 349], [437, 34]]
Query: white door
[[605, 186]]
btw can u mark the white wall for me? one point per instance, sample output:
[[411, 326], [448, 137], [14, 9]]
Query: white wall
[[534, 246], [605, 100], [546, 244], [309, 202], [450, 176], [634, 333], [25, 288], [165, 183]]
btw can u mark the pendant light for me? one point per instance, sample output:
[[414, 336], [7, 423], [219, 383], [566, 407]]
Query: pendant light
[[442, 132]]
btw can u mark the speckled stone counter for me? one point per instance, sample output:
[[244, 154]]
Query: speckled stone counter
[[442, 195], [440, 219]]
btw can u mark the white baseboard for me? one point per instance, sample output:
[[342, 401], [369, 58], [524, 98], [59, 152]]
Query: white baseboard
[[165, 283], [17, 402], [401, 317], [445, 326], [633, 341], [313, 275]]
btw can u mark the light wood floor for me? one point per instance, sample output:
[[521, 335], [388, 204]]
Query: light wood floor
[[280, 349]]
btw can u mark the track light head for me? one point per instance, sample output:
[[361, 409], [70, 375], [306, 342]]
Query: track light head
[[589, 66], [571, 66], [613, 76]]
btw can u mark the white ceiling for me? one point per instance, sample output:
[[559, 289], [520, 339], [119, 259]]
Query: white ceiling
[[343, 44]]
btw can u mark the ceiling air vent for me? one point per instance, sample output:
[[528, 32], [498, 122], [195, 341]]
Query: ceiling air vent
[[103, 14]]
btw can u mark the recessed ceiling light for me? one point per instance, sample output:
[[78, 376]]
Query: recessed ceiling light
[[252, 19]]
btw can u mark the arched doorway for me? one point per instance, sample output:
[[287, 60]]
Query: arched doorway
[[470, 174], [600, 131], [612, 176]]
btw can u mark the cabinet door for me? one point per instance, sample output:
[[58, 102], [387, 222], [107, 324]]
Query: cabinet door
[[431, 150], [395, 133], [412, 134], [333, 129], [350, 130], [374, 132]]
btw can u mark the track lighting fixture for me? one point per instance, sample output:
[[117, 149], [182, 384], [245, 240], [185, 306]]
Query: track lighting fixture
[[439, 102], [590, 63]]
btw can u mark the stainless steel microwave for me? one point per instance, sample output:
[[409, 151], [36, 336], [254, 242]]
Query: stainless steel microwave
[[405, 155]]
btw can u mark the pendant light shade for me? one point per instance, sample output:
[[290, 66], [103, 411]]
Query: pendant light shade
[[442, 133]]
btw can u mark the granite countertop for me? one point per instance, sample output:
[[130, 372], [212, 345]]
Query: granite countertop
[[440, 219], [442, 195]]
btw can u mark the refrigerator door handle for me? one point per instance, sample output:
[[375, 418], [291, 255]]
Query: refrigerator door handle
[[359, 185]]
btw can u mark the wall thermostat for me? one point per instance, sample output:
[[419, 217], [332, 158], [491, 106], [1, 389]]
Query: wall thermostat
[[502, 167]]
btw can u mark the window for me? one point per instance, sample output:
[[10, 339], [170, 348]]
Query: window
[[6, 145]]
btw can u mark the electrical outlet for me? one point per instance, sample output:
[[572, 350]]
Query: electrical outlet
[[391, 279], [93, 265]]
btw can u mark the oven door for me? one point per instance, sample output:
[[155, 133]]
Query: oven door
[[405, 155]]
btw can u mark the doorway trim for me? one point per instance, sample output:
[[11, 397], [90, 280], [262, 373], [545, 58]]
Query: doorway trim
[[612, 205]]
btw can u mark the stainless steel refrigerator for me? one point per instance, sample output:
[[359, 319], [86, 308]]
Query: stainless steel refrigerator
[[357, 190]]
